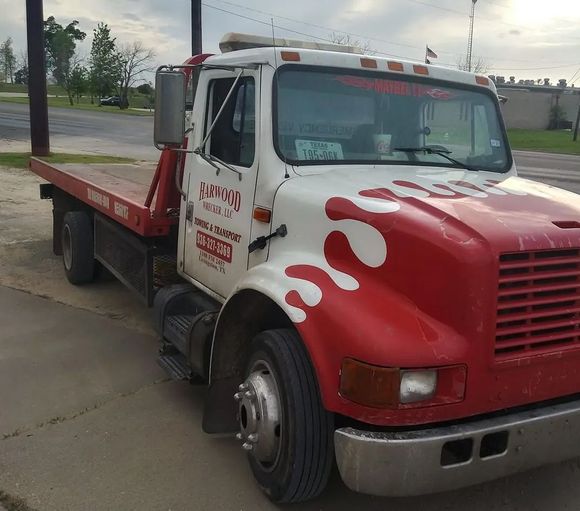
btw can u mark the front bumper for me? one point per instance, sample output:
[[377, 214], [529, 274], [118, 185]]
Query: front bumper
[[450, 457]]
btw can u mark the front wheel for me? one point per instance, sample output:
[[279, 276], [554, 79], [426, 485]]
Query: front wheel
[[283, 425]]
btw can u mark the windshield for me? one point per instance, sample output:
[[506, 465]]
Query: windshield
[[343, 116]]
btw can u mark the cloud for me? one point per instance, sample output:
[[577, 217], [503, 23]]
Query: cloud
[[399, 28], [130, 16]]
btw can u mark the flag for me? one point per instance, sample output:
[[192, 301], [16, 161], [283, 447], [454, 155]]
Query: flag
[[431, 53]]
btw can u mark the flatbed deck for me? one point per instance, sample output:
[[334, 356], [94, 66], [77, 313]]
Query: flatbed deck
[[119, 191]]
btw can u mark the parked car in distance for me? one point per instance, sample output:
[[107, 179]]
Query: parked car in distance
[[110, 101]]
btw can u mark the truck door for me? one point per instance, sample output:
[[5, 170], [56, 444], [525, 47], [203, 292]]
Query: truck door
[[222, 180]]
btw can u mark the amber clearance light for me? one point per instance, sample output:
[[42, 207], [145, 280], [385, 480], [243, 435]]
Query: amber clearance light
[[390, 387]]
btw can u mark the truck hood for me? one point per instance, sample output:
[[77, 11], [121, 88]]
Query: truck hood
[[402, 267], [432, 236], [511, 213]]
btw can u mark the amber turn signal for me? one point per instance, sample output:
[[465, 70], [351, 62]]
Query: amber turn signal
[[262, 215], [390, 387], [369, 385]]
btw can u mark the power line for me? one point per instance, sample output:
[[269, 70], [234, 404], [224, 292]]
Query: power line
[[464, 14], [322, 27], [532, 68], [286, 29], [327, 40], [354, 34]]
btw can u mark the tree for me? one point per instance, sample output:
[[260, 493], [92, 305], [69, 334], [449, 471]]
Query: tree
[[60, 45], [7, 60], [78, 81], [21, 74], [145, 89], [135, 60], [347, 40], [478, 65], [105, 64], [73, 79]]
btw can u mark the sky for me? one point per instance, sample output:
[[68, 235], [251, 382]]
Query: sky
[[529, 39]]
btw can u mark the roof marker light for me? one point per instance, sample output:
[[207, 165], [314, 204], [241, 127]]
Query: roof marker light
[[290, 56], [395, 66], [482, 80], [368, 63], [421, 70]]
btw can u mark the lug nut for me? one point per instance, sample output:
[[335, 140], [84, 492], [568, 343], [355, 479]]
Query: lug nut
[[238, 396], [250, 394], [247, 447], [253, 438], [239, 436], [243, 387]]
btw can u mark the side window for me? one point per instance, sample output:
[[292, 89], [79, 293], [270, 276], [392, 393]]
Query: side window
[[233, 137]]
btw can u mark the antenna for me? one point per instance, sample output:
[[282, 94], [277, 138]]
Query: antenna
[[470, 39], [286, 175]]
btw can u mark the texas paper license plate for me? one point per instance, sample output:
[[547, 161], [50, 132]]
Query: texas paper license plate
[[316, 150]]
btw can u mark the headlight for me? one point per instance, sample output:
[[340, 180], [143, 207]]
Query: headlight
[[389, 387], [417, 386]]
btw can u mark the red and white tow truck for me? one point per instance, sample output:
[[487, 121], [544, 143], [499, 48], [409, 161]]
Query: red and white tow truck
[[339, 245]]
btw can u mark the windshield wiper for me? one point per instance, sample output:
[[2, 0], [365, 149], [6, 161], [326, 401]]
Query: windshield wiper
[[440, 152]]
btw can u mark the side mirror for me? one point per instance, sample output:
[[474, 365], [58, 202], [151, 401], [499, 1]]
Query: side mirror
[[170, 91]]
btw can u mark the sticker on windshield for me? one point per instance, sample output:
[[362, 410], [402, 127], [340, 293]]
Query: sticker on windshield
[[439, 94], [317, 150], [495, 142]]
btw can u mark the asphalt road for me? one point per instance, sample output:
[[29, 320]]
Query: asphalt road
[[123, 135], [85, 131]]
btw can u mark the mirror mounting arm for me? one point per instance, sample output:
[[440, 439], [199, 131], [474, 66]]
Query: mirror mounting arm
[[212, 161]]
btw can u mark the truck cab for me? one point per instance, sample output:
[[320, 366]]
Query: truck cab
[[363, 276]]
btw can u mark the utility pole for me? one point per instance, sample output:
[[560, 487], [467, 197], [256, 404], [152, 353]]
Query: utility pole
[[470, 40], [577, 122], [196, 44], [39, 136]]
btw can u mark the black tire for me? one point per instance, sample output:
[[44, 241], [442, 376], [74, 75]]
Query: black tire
[[78, 248], [306, 450]]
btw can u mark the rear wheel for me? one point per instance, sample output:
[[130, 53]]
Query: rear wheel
[[283, 425], [77, 247]]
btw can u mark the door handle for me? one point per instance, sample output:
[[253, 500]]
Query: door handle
[[189, 212]]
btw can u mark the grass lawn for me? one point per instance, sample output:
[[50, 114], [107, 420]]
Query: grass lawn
[[137, 101], [15, 87], [20, 160], [544, 140]]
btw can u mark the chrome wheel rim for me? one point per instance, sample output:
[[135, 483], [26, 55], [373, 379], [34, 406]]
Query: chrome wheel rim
[[260, 415]]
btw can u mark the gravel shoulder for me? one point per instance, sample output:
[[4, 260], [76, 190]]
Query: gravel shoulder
[[28, 264]]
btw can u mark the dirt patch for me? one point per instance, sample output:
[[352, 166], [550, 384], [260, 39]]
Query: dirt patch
[[28, 264], [13, 503]]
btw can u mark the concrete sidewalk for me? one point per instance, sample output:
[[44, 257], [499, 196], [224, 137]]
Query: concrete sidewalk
[[88, 422]]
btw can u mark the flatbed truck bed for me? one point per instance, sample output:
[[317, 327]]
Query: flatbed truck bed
[[140, 196], [134, 212]]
